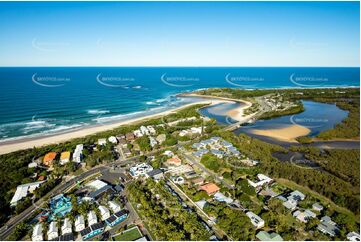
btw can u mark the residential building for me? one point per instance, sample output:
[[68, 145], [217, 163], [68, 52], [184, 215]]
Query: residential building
[[104, 213], [92, 218], [151, 130], [52, 231], [152, 141], [353, 236], [49, 159], [79, 223], [102, 141], [220, 197], [113, 140], [144, 130], [210, 188], [32, 165], [161, 138], [304, 216], [200, 153], [265, 236], [140, 169], [96, 184], [137, 133], [78, 153], [129, 136], [262, 179], [290, 204], [257, 221], [23, 190], [156, 174], [296, 196], [174, 161], [117, 218], [66, 228], [168, 153], [197, 181], [115, 207], [97, 194], [201, 203], [317, 207], [92, 231], [64, 157], [37, 233], [327, 226]]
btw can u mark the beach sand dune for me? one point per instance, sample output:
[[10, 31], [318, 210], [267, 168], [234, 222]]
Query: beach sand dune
[[288, 133]]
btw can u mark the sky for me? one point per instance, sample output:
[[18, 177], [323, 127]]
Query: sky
[[180, 34]]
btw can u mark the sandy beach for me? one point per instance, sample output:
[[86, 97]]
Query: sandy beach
[[11, 146], [288, 134]]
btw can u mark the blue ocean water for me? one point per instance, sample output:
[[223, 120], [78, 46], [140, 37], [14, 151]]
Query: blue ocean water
[[38, 100]]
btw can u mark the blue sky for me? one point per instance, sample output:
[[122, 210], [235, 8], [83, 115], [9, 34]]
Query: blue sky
[[179, 34]]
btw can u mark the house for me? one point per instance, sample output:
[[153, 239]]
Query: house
[[92, 218], [32, 165], [117, 218], [49, 159], [104, 213], [37, 233], [115, 207], [64, 157], [296, 196], [200, 153], [220, 197], [102, 141], [52, 231], [197, 181], [327, 226], [96, 184], [174, 161], [178, 180], [255, 219], [304, 216], [23, 190], [113, 140], [353, 236], [152, 141], [79, 223], [137, 133], [151, 130], [161, 138], [218, 153], [317, 207], [156, 174], [129, 136], [144, 130], [201, 203], [78, 153], [168, 153], [140, 169], [92, 231], [97, 194], [262, 179], [210, 188], [290, 204], [265, 236], [66, 228]]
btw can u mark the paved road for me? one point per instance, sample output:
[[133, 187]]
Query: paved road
[[210, 173]]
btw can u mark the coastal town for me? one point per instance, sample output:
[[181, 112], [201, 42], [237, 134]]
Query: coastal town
[[183, 166]]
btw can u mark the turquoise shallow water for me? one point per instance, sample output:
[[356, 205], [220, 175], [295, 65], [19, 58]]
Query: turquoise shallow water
[[37, 101]]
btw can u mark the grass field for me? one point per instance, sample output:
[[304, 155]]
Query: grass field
[[129, 235]]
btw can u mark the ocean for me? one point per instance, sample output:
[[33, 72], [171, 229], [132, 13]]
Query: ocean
[[38, 101]]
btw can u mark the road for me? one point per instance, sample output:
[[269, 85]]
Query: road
[[210, 173]]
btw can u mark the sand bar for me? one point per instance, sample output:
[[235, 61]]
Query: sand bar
[[288, 133]]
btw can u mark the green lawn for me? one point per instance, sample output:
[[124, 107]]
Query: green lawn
[[130, 235]]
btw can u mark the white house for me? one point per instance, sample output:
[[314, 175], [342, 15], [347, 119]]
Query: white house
[[66, 228], [262, 179], [77, 155], [304, 216], [92, 218], [102, 141], [115, 207], [140, 169], [104, 213], [151, 129], [296, 196], [113, 139], [52, 231], [79, 223], [37, 233], [255, 220], [168, 153], [137, 133], [353, 236], [23, 190], [153, 142], [144, 130]]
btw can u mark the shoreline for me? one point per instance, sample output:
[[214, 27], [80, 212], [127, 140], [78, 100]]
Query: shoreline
[[31, 142], [285, 134]]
